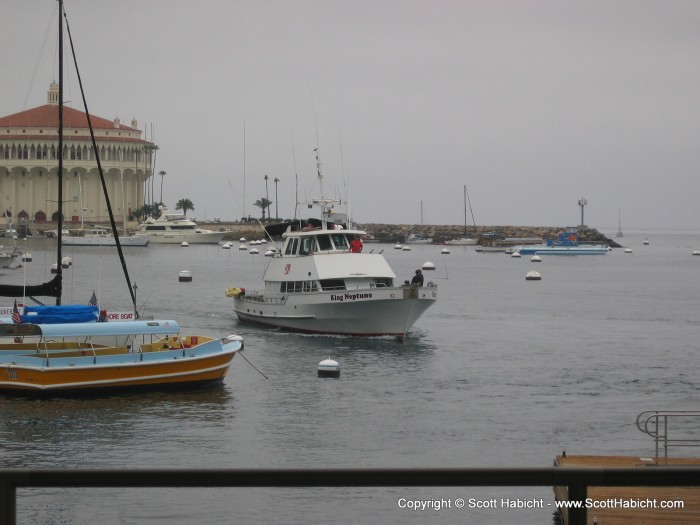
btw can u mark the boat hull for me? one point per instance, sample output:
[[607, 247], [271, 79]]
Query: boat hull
[[367, 313], [461, 242], [106, 369], [561, 250], [190, 238], [105, 241]]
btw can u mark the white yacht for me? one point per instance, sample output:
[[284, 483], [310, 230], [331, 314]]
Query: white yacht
[[176, 228], [315, 284], [100, 236]]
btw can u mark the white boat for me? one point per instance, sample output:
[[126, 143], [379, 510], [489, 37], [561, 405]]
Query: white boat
[[316, 285], [462, 241], [176, 228], [8, 256], [100, 236], [418, 239]]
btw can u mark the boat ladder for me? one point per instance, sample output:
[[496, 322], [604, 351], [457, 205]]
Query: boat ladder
[[657, 424]]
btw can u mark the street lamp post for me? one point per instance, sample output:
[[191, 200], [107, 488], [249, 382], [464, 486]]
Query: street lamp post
[[582, 202], [267, 196], [162, 174], [277, 214]]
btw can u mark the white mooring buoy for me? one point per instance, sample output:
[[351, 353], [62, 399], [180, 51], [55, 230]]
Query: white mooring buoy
[[696, 252], [536, 258], [515, 254], [185, 244], [185, 276], [533, 276], [427, 265], [328, 368], [445, 251], [628, 250]]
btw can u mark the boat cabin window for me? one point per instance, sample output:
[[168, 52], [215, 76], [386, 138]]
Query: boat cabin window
[[332, 284], [305, 246], [292, 246], [382, 283], [324, 243], [155, 228], [298, 286], [340, 241]]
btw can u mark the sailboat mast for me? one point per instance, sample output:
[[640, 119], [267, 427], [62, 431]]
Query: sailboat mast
[[59, 228], [465, 210]]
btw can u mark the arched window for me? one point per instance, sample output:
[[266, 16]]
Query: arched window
[[53, 152], [32, 152], [25, 152], [40, 216]]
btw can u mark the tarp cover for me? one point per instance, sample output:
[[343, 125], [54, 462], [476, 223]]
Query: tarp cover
[[69, 313]]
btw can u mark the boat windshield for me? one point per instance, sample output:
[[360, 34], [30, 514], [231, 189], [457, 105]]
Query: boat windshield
[[340, 241]]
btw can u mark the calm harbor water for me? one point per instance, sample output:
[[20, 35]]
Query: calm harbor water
[[500, 372]]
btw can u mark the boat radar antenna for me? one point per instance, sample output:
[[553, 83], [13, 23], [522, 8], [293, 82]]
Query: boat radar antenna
[[325, 203]]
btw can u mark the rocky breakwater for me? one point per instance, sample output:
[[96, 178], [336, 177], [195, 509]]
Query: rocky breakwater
[[399, 233]]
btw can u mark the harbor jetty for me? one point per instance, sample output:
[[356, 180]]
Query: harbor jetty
[[399, 233]]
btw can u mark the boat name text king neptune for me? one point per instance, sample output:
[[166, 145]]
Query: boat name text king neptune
[[351, 296]]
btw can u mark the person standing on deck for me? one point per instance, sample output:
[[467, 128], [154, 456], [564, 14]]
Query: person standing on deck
[[356, 245]]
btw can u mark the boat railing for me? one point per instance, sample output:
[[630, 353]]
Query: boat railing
[[659, 423]]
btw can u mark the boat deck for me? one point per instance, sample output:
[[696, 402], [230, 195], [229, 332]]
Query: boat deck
[[690, 496]]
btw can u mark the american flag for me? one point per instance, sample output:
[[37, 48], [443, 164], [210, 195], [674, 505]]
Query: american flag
[[93, 299], [15, 314]]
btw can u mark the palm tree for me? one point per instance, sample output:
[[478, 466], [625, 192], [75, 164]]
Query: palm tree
[[184, 205], [263, 203]]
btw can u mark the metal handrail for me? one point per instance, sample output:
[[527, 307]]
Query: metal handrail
[[655, 423], [576, 479]]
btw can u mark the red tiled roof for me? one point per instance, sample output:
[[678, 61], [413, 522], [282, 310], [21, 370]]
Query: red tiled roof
[[47, 116]]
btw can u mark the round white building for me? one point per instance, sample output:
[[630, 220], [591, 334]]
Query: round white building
[[29, 166]]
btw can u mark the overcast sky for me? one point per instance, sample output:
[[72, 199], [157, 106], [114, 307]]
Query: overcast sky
[[530, 104]]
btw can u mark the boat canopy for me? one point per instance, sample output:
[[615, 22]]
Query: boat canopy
[[73, 330]]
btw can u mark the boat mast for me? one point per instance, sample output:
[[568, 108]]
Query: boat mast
[[470, 207], [465, 210], [59, 222]]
